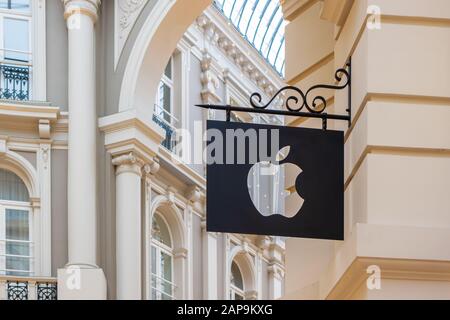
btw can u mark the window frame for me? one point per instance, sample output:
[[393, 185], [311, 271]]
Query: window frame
[[20, 206], [19, 17], [234, 290], [159, 249], [169, 82], [36, 15]]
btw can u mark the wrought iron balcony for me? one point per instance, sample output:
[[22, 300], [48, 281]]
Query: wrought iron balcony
[[14, 81], [14, 288], [166, 121]]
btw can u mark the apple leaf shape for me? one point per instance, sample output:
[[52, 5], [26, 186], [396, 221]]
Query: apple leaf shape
[[283, 153]]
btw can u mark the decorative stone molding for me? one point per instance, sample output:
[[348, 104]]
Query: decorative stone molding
[[336, 11], [194, 194], [180, 253], [45, 153], [251, 295], [291, 8], [126, 13], [44, 129], [87, 7], [245, 245], [35, 203], [152, 167], [276, 270], [263, 242], [239, 57], [171, 192], [130, 131], [277, 251], [209, 80]]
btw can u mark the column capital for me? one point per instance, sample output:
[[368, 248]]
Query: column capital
[[86, 7], [128, 163], [276, 270], [152, 167]]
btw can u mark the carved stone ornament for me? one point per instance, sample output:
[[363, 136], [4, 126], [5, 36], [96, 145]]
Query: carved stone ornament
[[126, 14]]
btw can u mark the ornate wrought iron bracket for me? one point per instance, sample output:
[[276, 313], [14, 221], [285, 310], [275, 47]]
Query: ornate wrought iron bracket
[[298, 101]]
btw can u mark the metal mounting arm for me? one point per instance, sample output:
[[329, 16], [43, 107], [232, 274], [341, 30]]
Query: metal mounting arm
[[297, 102]]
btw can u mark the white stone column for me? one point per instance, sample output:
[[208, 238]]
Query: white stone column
[[128, 227], [81, 16]]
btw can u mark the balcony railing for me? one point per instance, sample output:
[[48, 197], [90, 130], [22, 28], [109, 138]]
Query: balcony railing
[[16, 288], [162, 289], [15, 76], [166, 121]]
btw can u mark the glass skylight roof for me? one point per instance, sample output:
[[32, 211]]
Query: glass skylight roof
[[261, 23]]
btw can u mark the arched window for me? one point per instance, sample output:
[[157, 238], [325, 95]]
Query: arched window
[[237, 283], [162, 285], [16, 252]]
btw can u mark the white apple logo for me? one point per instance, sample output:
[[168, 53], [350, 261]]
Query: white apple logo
[[272, 187]]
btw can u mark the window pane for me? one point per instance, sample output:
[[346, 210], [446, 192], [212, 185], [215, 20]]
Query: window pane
[[164, 103], [16, 39], [17, 225], [12, 187], [166, 270], [154, 278], [18, 5], [168, 70], [160, 231], [236, 276], [17, 264], [17, 247]]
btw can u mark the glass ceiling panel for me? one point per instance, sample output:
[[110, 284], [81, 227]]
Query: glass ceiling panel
[[261, 23]]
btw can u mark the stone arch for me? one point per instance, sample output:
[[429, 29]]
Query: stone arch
[[157, 40], [23, 169], [246, 265]]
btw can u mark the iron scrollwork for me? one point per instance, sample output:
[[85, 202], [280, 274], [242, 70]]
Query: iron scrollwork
[[17, 290], [296, 103], [14, 82], [47, 291], [300, 100]]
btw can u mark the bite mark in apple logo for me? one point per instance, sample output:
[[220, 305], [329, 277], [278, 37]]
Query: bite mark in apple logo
[[272, 187]]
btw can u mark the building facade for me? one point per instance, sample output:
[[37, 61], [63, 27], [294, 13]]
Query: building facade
[[397, 168], [99, 198]]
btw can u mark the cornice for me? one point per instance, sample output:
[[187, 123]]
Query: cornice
[[219, 34], [130, 132], [30, 111], [336, 11], [399, 269], [292, 8]]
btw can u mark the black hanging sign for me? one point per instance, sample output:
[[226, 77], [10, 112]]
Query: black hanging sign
[[274, 180], [294, 190]]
